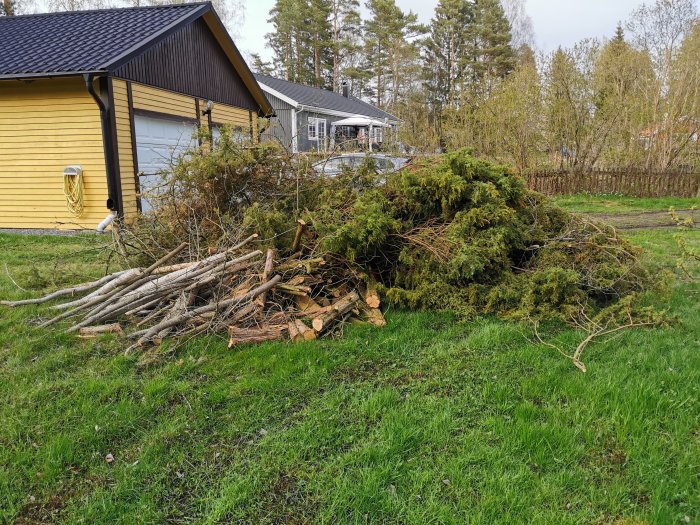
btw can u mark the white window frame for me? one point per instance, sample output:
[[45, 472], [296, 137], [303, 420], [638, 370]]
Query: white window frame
[[317, 129], [378, 134]]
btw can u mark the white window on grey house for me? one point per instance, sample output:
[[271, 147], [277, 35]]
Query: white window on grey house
[[317, 128], [378, 135]]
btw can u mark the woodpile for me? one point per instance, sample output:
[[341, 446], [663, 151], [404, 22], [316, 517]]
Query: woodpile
[[256, 297]]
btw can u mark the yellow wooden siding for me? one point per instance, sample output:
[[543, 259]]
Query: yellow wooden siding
[[157, 100], [124, 148], [46, 125], [224, 114]]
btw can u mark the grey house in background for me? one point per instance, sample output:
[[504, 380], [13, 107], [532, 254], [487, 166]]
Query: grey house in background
[[313, 119]]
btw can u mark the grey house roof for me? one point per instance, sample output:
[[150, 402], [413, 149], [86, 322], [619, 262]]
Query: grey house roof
[[322, 98], [83, 41]]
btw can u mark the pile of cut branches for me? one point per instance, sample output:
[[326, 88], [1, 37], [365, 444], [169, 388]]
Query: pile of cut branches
[[451, 232], [257, 298]]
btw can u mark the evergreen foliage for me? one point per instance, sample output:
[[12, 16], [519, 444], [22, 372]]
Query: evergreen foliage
[[493, 57], [445, 51], [346, 45], [619, 34], [449, 233], [629, 102], [260, 66], [313, 40], [464, 234], [388, 49]]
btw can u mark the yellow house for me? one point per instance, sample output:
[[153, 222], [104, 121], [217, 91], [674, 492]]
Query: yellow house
[[93, 104]]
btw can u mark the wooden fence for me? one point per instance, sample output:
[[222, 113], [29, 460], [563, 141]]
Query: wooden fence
[[624, 182]]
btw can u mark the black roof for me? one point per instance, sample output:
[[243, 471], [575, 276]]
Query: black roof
[[322, 98], [83, 41]]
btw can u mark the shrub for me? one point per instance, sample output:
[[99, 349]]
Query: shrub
[[452, 232]]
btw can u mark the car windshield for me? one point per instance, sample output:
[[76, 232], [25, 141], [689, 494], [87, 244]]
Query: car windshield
[[352, 162], [337, 163]]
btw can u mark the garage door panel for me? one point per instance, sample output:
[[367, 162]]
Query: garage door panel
[[159, 142]]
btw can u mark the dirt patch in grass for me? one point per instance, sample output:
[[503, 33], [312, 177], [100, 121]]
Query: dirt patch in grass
[[640, 220], [287, 501], [357, 372], [40, 512]]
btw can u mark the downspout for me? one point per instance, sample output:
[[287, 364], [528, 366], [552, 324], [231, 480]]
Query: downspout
[[109, 166], [295, 134]]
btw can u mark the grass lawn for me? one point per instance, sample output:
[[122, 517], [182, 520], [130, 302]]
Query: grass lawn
[[612, 204], [428, 420]]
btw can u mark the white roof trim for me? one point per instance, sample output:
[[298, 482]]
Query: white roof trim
[[311, 109], [334, 113], [279, 95], [359, 120]]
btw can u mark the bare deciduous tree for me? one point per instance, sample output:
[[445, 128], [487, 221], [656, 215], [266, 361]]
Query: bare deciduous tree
[[659, 28], [521, 27]]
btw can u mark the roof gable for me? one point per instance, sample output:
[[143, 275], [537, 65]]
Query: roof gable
[[78, 42], [212, 78], [81, 41], [321, 98]]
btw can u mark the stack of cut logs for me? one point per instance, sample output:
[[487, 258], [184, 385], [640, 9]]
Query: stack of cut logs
[[257, 298]]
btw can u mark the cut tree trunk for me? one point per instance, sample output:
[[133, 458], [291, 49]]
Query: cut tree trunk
[[374, 316], [306, 304], [301, 225], [90, 332], [240, 336], [293, 331], [371, 296], [147, 335], [306, 333], [269, 263], [337, 309]]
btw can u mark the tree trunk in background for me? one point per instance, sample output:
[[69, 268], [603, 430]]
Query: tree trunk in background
[[8, 7]]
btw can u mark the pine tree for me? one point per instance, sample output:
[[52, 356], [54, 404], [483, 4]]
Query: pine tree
[[562, 115], [302, 41], [291, 40], [319, 31], [303, 57], [526, 56], [346, 41], [283, 17], [445, 51], [619, 34], [260, 66], [388, 48], [492, 55]]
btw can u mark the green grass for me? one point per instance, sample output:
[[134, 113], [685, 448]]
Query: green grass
[[425, 421], [613, 204]]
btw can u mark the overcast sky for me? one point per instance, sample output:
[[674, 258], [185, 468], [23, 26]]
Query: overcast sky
[[559, 22]]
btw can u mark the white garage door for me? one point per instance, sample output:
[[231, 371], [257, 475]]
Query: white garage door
[[158, 142]]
